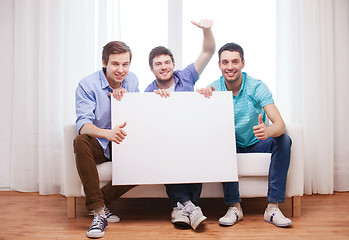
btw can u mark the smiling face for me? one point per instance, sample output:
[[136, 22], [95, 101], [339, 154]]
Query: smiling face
[[117, 68], [163, 68], [231, 66]]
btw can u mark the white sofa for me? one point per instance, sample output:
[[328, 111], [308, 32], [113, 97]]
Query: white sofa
[[252, 170]]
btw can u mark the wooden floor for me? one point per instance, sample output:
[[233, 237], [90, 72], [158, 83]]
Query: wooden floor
[[30, 216]]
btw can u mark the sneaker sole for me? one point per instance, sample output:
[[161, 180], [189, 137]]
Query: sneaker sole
[[111, 220], [95, 234], [181, 224], [279, 225], [228, 223]]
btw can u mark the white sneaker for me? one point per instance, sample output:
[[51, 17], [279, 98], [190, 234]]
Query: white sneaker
[[194, 213], [232, 216], [275, 216], [98, 226], [111, 217], [178, 218]]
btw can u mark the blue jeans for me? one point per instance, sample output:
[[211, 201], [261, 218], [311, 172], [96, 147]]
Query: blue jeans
[[183, 193], [280, 149]]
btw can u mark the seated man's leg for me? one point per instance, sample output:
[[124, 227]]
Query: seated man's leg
[[232, 198], [231, 192], [278, 169], [280, 162], [195, 192], [88, 153], [177, 193], [184, 211], [280, 148], [111, 192], [183, 193]]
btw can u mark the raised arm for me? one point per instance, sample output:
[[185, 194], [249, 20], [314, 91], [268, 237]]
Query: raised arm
[[208, 45]]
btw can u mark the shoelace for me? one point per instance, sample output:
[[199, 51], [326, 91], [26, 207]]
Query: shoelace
[[98, 223], [235, 212], [275, 211], [187, 210], [108, 213]]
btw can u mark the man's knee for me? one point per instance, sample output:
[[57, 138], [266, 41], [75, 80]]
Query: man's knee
[[82, 143], [285, 140], [81, 140]]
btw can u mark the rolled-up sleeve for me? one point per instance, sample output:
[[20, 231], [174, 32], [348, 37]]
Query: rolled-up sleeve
[[85, 105]]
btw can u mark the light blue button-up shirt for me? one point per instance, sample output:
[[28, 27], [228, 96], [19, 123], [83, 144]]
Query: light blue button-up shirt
[[93, 103]]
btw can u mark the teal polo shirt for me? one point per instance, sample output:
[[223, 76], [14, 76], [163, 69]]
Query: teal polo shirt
[[248, 104]]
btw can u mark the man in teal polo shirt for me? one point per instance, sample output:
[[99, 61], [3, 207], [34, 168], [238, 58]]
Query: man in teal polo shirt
[[252, 103]]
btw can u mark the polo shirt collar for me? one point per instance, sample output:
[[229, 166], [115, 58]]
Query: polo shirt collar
[[224, 87]]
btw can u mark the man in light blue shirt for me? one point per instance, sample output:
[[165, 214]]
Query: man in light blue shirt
[[92, 145], [184, 197], [252, 102]]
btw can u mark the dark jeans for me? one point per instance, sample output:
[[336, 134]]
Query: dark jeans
[[88, 153], [183, 193], [280, 149]]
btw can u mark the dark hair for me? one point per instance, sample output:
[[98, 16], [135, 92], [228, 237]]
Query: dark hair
[[232, 47], [157, 51], [115, 47]]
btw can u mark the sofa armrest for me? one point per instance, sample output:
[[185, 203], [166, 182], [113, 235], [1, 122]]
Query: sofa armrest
[[295, 178], [72, 183]]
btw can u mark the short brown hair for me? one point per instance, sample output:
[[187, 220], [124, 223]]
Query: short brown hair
[[157, 51], [115, 47], [232, 47]]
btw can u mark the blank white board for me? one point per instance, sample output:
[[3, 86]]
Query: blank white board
[[185, 138]]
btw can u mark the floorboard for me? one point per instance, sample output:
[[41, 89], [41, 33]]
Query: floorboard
[[31, 216]]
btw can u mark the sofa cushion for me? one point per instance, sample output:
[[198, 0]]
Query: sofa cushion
[[253, 164], [105, 171], [249, 164]]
